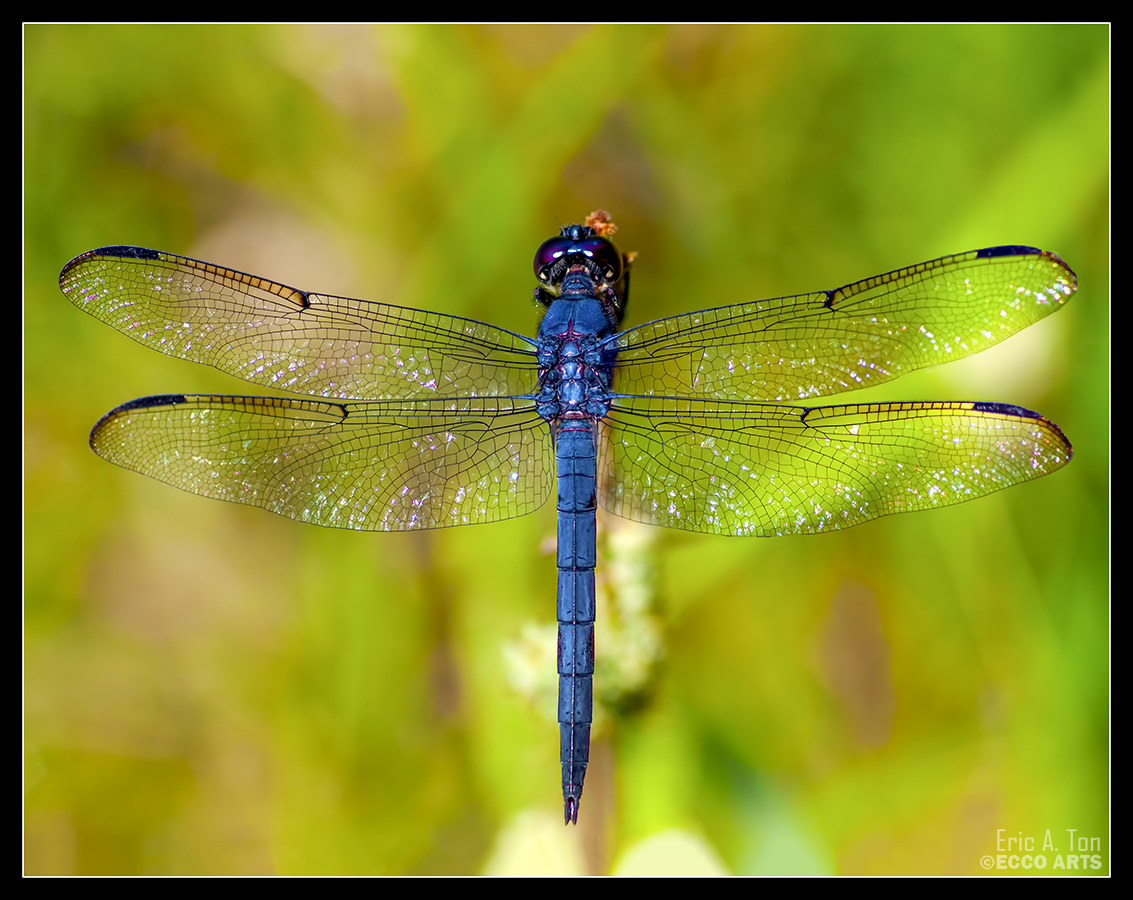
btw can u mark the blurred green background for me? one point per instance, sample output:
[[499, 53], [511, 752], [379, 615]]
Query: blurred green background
[[212, 689]]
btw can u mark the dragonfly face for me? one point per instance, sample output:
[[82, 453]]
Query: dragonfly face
[[416, 419]]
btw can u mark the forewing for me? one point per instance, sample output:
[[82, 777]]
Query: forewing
[[369, 466], [813, 345], [291, 340], [764, 469]]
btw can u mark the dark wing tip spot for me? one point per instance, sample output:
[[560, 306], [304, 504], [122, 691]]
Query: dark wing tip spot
[[140, 403], [147, 402], [117, 251], [1019, 412], [1006, 409], [125, 252], [1020, 250], [1009, 250]]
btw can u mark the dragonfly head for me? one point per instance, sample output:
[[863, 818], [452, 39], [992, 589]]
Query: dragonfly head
[[585, 248]]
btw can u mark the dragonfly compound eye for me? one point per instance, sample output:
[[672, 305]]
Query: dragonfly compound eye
[[549, 253]]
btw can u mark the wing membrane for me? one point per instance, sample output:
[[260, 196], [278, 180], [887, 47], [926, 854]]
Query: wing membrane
[[369, 466], [765, 469], [283, 338], [813, 345]]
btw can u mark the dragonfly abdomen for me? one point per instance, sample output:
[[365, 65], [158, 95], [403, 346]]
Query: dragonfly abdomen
[[576, 458]]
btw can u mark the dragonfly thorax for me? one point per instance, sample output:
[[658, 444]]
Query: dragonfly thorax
[[574, 372]]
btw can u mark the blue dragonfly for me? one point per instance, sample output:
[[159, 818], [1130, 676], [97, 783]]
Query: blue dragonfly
[[418, 419]]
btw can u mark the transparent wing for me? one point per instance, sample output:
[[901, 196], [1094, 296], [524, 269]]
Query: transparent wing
[[764, 469], [283, 338], [369, 466], [813, 345]]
